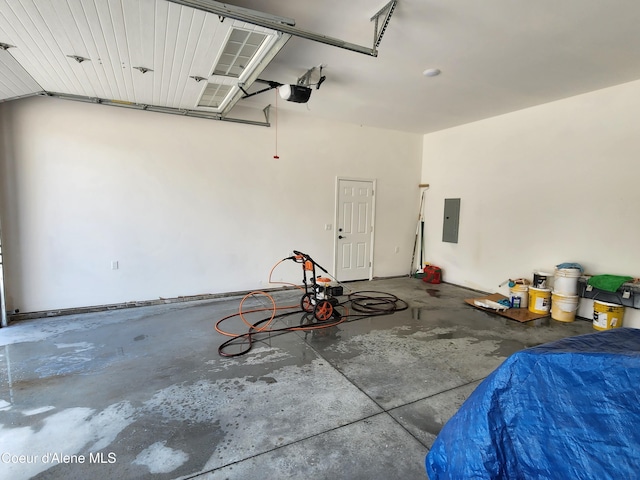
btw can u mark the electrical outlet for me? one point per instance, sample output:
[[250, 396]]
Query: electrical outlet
[[327, 226], [114, 265], [397, 250]]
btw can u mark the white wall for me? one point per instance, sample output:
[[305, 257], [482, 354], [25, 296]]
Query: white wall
[[186, 206], [550, 184]]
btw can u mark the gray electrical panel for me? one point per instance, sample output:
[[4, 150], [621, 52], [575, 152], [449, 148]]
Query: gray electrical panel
[[451, 220]]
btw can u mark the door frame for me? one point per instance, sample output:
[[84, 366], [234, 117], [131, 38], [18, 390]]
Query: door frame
[[373, 182]]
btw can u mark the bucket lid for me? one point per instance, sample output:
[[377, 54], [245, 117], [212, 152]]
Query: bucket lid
[[608, 304], [568, 272], [540, 289]]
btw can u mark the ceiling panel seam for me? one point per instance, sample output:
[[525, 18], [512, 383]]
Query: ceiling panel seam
[[204, 66], [122, 47], [65, 72], [108, 31], [6, 81], [76, 51], [21, 86], [10, 86], [169, 49], [102, 50], [79, 47], [54, 41], [160, 42], [189, 51], [130, 39], [101, 82], [147, 24], [184, 101], [27, 46], [180, 44], [157, 77]]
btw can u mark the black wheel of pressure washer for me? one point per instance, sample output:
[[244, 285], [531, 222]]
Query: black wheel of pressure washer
[[323, 310], [305, 303]]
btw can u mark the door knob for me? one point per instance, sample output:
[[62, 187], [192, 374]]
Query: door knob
[[340, 236]]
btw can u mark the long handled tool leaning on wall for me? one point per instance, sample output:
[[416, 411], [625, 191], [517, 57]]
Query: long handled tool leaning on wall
[[419, 233]]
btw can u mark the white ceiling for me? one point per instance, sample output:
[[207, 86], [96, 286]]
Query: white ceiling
[[495, 56]]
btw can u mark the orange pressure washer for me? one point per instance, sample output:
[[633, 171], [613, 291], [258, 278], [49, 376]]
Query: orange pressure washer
[[319, 297]]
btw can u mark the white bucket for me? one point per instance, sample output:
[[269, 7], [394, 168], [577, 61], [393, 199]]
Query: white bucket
[[565, 281], [519, 296], [564, 307]]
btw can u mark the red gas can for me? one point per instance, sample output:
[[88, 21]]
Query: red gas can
[[432, 274]]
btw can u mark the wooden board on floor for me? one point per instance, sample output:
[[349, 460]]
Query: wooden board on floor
[[517, 314]]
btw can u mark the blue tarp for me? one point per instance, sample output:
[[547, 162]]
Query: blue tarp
[[564, 410]]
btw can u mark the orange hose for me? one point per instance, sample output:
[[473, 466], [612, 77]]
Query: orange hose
[[273, 311], [281, 283], [274, 308]]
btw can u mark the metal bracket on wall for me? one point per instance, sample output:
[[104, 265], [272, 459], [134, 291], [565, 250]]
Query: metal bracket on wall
[[385, 12], [266, 110]]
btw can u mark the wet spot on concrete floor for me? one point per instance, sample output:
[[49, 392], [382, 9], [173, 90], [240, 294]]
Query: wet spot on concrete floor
[[426, 417], [268, 402], [431, 423], [77, 347], [64, 365], [267, 380], [509, 346], [409, 367], [90, 430], [445, 335], [256, 356], [159, 458], [433, 292], [37, 411], [139, 337]]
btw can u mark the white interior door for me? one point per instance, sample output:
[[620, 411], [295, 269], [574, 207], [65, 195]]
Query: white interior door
[[354, 229]]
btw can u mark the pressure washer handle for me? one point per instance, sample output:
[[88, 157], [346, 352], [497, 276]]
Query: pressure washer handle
[[307, 257], [322, 268], [299, 257]]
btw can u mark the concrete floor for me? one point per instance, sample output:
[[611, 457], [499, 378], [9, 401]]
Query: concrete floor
[[142, 392]]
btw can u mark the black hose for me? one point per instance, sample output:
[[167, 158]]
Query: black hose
[[368, 303], [372, 303]]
